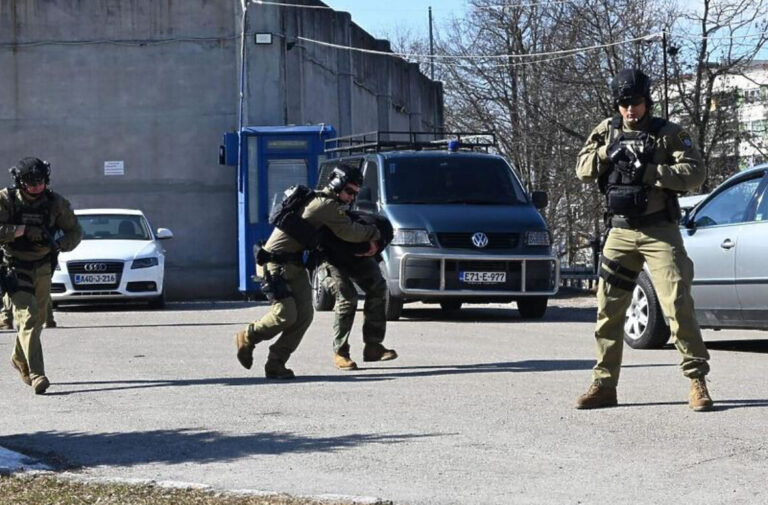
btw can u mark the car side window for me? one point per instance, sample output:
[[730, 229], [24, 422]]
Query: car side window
[[730, 206], [761, 213], [371, 179]]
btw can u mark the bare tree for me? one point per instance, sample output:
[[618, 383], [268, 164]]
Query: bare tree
[[724, 41]]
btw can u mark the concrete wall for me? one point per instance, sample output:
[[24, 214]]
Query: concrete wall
[[155, 83]]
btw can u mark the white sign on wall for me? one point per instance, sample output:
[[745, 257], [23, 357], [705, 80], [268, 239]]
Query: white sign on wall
[[114, 168]]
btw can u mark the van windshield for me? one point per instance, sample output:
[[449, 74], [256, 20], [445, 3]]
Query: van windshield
[[452, 180]]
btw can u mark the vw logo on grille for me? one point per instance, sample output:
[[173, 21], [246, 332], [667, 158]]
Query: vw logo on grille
[[480, 239], [95, 267]]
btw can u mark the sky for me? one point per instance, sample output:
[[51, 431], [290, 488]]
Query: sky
[[383, 17]]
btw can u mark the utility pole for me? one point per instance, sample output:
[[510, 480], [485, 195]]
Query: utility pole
[[431, 47], [666, 82]]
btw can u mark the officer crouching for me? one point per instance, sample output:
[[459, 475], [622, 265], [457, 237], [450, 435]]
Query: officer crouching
[[286, 280], [30, 216], [640, 163]]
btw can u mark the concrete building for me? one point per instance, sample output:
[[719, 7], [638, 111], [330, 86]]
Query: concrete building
[[155, 84]]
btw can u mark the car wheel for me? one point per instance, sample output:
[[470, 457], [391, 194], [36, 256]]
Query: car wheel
[[322, 299], [532, 307], [394, 307], [450, 305], [644, 325], [158, 302]]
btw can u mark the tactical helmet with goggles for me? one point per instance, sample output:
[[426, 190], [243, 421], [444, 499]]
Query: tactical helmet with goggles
[[31, 171], [341, 175], [630, 87]]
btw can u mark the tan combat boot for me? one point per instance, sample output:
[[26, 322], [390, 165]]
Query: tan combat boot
[[23, 370], [275, 369], [377, 352], [244, 349], [699, 399], [40, 384], [598, 396], [343, 362]]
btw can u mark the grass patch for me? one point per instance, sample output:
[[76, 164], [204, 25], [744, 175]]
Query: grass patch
[[46, 489]]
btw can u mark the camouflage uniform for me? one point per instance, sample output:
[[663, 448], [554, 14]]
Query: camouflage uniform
[[676, 166], [292, 315], [6, 316], [30, 259]]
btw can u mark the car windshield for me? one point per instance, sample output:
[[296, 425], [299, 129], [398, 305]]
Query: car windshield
[[452, 180], [114, 227]]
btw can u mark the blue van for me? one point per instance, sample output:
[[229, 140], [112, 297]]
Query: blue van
[[465, 229]]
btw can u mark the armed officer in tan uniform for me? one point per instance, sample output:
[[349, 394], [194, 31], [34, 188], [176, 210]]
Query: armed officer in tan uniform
[[30, 216], [641, 163], [286, 281]]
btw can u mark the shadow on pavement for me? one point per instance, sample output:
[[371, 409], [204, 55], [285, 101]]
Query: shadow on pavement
[[129, 306], [382, 373], [758, 345], [78, 449], [720, 405], [495, 314]]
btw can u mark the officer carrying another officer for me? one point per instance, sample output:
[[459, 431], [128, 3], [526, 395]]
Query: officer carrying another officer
[[30, 216], [342, 268], [641, 163], [286, 281]]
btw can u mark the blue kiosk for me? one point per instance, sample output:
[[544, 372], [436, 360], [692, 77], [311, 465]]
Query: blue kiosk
[[273, 158]]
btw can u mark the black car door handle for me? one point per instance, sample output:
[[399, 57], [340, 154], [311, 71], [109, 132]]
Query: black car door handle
[[727, 244]]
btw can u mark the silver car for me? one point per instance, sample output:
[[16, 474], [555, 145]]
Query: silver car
[[726, 236]]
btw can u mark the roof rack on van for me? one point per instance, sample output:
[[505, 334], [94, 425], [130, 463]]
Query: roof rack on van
[[377, 141]]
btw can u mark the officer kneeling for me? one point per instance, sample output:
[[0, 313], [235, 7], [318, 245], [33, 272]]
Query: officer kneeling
[[344, 263], [286, 281], [640, 163]]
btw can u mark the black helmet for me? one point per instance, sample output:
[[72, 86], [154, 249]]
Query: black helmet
[[631, 83], [31, 170], [341, 175]]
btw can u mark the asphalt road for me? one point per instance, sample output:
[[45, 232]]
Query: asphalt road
[[477, 410]]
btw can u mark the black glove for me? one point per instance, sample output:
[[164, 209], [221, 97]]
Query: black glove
[[34, 234], [617, 151]]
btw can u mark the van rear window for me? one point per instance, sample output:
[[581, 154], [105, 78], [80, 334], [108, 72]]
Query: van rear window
[[452, 180]]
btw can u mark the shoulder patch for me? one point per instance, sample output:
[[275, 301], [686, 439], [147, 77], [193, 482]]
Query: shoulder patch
[[685, 139]]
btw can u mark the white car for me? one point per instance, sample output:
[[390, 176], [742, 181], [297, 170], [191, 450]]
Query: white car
[[119, 258]]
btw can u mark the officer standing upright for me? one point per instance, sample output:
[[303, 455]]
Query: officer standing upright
[[30, 216], [286, 281], [641, 163]]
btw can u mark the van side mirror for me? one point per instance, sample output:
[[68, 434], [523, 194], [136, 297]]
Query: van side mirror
[[365, 200], [540, 199]]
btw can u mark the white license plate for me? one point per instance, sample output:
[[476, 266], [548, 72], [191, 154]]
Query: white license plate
[[95, 278], [483, 277]]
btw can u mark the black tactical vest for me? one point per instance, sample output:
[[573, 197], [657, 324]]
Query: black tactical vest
[[31, 215], [625, 193]]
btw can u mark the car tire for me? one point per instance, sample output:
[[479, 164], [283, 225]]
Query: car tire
[[644, 324], [322, 299], [450, 305], [158, 302], [394, 307], [532, 307]]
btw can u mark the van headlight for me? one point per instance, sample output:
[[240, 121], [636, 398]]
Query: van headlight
[[412, 238], [144, 263], [537, 238]]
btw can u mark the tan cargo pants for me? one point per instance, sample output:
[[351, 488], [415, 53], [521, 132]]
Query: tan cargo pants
[[290, 316], [30, 305], [661, 247]]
